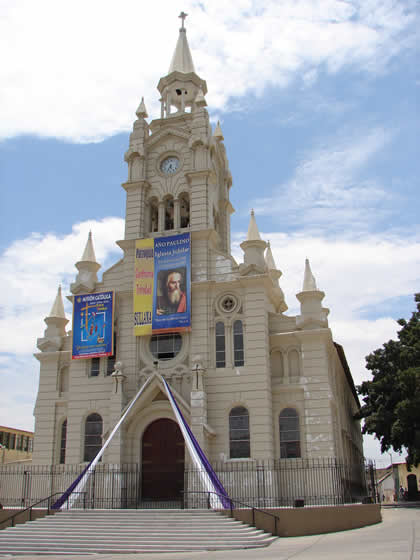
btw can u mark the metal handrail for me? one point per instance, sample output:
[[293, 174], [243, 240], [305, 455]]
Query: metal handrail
[[231, 500], [49, 498]]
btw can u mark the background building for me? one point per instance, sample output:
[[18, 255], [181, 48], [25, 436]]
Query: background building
[[397, 484], [15, 445]]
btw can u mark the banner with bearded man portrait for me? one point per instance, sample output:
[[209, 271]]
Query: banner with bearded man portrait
[[162, 286], [172, 282]]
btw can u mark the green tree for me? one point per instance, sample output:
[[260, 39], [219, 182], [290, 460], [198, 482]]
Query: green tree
[[391, 399]]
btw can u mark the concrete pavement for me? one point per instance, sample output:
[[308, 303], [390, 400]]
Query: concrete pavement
[[396, 538]]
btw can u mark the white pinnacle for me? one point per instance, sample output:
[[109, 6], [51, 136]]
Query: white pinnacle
[[309, 284], [57, 310], [89, 252], [182, 60], [269, 259], [253, 233], [141, 111], [200, 100], [218, 134]]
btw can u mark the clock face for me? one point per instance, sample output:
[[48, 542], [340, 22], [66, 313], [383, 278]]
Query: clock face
[[169, 165]]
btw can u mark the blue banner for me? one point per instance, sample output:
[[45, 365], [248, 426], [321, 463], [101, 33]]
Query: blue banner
[[172, 284], [93, 325]]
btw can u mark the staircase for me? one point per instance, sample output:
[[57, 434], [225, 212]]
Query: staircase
[[125, 531]]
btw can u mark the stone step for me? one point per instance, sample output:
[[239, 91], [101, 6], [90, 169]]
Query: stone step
[[124, 531], [112, 531], [145, 524], [134, 540], [31, 550], [131, 537]]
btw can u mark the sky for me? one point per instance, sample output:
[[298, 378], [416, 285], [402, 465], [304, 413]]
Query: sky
[[318, 102]]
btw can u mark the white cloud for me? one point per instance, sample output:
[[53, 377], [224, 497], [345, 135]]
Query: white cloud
[[327, 189], [31, 270], [72, 70]]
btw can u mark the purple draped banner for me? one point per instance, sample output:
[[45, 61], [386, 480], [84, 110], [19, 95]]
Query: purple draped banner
[[211, 483], [217, 493]]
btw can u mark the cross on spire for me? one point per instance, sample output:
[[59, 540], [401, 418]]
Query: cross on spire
[[182, 15]]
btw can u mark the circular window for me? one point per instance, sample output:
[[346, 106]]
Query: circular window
[[228, 303], [165, 346]]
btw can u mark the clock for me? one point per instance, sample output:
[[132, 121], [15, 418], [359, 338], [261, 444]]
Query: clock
[[170, 165]]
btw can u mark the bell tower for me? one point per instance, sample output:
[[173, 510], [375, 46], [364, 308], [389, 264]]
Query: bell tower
[[180, 88], [178, 172]]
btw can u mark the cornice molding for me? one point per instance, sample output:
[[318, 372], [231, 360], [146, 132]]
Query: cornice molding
[[129, 185]]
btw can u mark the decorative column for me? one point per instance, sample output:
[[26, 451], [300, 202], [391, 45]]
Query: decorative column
[[177, 213], [198, 403], [116, 405], [161, 220]]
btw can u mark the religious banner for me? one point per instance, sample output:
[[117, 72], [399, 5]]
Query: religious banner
[[143, 286], [93, 325], [162, 286]]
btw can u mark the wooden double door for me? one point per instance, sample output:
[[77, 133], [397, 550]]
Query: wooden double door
[[163, 453]]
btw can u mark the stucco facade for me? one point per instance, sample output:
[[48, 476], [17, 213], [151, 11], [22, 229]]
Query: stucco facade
[[243, 354]]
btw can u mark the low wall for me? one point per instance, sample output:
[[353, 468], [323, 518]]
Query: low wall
[[22, 518], [296, 522]]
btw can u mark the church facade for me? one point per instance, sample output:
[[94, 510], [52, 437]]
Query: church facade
[[254, 384]]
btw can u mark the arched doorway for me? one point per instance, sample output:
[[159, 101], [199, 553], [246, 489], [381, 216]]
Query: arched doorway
[[412, 487], [162, 461]]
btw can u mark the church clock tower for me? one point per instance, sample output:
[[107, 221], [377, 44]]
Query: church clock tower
[[178, 172]]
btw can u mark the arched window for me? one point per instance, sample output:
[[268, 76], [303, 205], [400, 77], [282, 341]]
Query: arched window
[[220, 345], [184, 210], [294, 369], [169, 213], [154, 215], [63, 442], [238, 343], [239, 442], [93, 436], [289, 434]]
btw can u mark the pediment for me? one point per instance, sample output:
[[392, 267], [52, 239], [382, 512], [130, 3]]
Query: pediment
[[162, 134], [155, 393], [154, 388]]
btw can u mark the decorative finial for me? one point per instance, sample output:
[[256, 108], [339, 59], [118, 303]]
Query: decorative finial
[[182, 15], [252, 212], [309, 283]]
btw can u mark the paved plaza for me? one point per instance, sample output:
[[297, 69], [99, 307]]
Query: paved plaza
[[396, 538]]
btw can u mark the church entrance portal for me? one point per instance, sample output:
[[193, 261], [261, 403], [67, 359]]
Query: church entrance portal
[[162, 461]]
